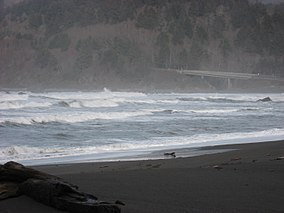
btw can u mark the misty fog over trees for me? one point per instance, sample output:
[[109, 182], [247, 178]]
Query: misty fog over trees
[[94, 43]]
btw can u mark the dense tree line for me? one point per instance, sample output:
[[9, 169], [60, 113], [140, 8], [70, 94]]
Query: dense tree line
[[182, 30]]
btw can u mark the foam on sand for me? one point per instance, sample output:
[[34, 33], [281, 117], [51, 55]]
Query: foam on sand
[[130, 148]]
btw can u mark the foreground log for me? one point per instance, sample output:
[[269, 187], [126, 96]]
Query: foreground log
[[8, 190], [16, 180]]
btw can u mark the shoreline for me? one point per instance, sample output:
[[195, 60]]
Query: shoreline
[[142, 155], [195, 153], [247, 179]]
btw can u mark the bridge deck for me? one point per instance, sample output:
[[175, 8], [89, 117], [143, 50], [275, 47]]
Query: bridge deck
[[217, 74]]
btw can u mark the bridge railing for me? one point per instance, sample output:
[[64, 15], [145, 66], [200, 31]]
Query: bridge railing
[[221, 74]]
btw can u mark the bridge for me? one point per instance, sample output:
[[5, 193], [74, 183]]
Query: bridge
[[225, 75]]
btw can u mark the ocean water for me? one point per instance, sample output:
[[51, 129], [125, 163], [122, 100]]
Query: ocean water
[[59, 127]]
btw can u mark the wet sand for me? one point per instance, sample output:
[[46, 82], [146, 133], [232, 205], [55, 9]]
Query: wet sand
[[248, 179]]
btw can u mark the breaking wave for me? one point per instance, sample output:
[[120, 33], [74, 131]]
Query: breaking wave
[[208, 111], [18, 105], [4, 96], [233, 98], [88, 103], [216, 99], [89, 95], [71, 118], [28, 152], [65, 124]]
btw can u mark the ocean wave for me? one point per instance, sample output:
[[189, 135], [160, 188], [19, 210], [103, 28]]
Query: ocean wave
[[168, 101], [88, 95], [29, 152], [230, 100], [71, 118], [215, 99], [18, 152], [162, 111], [149, 145], [206, 111], [88, 103], [192, 99], [4, 96], [213, 111], [233, 98], [20, 104], [216, 139], [111, 102], [243, 110]]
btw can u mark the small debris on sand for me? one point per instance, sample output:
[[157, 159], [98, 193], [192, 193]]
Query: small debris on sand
[[156, 166], [172, 154], [235, 159], [119, 203], [279, 158], [217, 167]]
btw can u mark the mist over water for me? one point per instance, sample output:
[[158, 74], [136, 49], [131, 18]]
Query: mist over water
[[79, 126]]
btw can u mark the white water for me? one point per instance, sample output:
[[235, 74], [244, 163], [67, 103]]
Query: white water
[[71, 126]]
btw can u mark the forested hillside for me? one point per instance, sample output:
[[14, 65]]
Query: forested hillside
[[95, 43]]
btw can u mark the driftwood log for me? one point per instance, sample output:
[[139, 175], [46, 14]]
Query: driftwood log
[[16, 180]]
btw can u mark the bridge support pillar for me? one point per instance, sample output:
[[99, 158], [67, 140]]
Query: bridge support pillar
[[229, 83]]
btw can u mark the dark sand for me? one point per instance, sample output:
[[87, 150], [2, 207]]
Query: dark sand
[[250, 180]]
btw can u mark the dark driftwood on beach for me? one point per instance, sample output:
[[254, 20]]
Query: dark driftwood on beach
[[16, 180]]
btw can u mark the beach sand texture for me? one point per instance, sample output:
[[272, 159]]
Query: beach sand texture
[[248, 179]]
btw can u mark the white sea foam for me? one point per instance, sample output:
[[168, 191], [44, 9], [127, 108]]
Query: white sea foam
[[29, 153], [168, 101], [90, 103], [129, 115], [13, 96], [72, 118], [214, 111], [23, 104], [218, 139], [198, 140], [211, 111], [18, 151], [90, 95], [137, 101], [100, 103], [227, 110], [230, 97]]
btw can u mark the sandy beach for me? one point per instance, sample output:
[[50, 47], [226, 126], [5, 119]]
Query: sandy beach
[[247, 179]]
